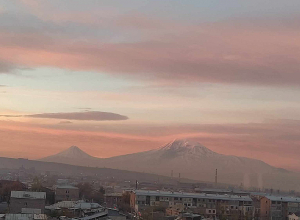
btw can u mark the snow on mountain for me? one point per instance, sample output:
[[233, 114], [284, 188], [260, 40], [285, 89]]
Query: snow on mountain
[[185, 147]]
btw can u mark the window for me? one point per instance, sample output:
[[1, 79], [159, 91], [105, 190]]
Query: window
[[273, 202], [214, 211], [209, 211], [157, 198], [176, 198]]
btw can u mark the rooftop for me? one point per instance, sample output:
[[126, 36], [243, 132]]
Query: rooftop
[[192, 195], [28, 195], [66, 187], [73, 205], [283, 199], [25, 216]]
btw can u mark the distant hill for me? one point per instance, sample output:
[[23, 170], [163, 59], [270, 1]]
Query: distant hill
[[192, 161], [72, 170]]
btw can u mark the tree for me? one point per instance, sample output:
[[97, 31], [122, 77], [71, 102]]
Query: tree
[[7, 186], [37, 185], [85, 190], [124, 205]]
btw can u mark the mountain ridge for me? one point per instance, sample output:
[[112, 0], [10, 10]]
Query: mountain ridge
[[189, 158]]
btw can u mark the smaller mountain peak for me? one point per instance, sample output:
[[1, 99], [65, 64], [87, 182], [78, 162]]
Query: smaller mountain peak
[[74, 148], [73, 152]]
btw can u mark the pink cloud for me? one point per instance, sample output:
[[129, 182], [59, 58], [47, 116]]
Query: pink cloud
[[212, 53]]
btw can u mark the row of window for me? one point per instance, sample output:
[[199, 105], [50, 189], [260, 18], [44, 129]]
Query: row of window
[[211, 211]]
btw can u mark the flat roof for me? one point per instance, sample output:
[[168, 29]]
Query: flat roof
[[66, 187], [224, 191], [25, 216], [192, 195], [283, 199], [114, 194], [27, 195]]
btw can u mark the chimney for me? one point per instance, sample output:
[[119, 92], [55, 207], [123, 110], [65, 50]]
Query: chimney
[[216, 178]]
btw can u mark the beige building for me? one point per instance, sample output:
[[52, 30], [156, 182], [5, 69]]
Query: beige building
[[207, 205], [277, 207], [26, 200], [294, 217]]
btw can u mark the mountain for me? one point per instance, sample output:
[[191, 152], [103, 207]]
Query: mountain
[[74, 156], [190, 160]]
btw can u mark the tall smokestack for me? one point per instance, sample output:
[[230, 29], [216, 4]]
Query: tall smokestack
[[216, 177]]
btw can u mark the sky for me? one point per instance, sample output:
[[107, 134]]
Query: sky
[[116, 77]]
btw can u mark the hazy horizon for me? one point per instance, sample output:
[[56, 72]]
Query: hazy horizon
[[116, 79]]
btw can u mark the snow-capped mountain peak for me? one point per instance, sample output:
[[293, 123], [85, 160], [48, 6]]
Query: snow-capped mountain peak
[[185, 146]]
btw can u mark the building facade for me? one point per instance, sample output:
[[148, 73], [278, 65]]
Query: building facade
[[112, 200], [66, 193], [208, 205], [277, 208], [26, 200]]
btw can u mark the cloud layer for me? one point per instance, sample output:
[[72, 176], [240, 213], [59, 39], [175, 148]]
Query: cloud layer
[[249, 51], [81, 116]]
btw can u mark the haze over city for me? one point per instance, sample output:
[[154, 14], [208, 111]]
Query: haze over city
[[115, 78]]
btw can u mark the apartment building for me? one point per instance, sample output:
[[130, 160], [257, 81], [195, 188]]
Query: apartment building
[[208, 205], [21, 200], [277, 207]]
